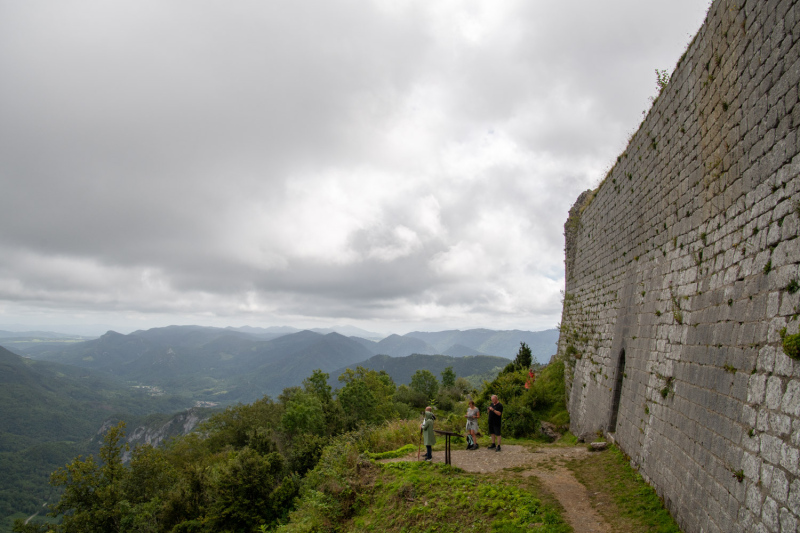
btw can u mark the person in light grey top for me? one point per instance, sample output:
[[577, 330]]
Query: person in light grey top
[[473, 413]]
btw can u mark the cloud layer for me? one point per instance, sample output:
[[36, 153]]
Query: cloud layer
[[394, 164]]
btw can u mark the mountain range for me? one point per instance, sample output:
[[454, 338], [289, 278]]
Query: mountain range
[[228, 365], [207, 364]]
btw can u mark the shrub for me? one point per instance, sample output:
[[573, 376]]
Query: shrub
[[329, 493], [410, 397], [571, 351], [448, 397], [518, 419], [405, 411], [425, 382], [462, 385], [391, 435], [305, 453], [506, 386], [547, 396], [545, 400], [791, 345], [444, 401]]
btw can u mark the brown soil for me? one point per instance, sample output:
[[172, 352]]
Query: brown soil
[[545, 463]]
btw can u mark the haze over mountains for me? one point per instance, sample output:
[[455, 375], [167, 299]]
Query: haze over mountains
[[89, 331]]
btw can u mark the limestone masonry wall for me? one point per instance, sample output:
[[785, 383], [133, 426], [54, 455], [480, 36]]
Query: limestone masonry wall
[[682, 270]]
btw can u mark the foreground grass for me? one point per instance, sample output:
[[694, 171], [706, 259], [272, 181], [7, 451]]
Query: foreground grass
[[620, 494], [413, 496]]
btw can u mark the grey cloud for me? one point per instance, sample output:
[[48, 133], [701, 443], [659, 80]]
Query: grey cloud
[[311, 160], [161, 120]]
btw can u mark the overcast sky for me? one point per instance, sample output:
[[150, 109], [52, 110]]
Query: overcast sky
[[390, 164]]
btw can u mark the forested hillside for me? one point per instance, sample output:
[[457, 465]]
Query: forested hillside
[[49, 414], [401, 369], [290, 462]]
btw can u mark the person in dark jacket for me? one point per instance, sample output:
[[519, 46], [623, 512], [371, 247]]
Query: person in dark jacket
[[427, 431], [495, 418]]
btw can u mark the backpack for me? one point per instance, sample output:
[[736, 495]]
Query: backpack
[[470, 441]]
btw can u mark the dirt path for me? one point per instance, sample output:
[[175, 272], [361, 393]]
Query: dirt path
[[569, 491], [547, 464], [35, 514]]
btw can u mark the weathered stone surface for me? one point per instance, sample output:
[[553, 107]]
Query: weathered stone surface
[[550, 430], [683, 270]]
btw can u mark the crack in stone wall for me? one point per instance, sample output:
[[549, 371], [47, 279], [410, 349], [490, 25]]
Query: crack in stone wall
[[685, 258]]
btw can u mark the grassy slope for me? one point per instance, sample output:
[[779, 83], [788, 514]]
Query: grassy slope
[[432, 497], [348, 492]]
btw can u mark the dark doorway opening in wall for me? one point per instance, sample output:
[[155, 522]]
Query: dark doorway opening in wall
[[612, 424]]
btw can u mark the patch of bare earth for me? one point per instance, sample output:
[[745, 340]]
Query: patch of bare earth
[[545, 463]]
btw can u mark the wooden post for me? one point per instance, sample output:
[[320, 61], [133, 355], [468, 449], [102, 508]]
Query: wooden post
[[447, 435]]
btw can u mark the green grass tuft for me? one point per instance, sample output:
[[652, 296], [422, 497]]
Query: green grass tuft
[[393, 454], [412, 496]]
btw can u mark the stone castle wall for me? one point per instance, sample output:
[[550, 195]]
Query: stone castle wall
[[682, 270]]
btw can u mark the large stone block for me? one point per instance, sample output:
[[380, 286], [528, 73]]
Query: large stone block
[[791, 399], [789, 458], [774, 393]]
